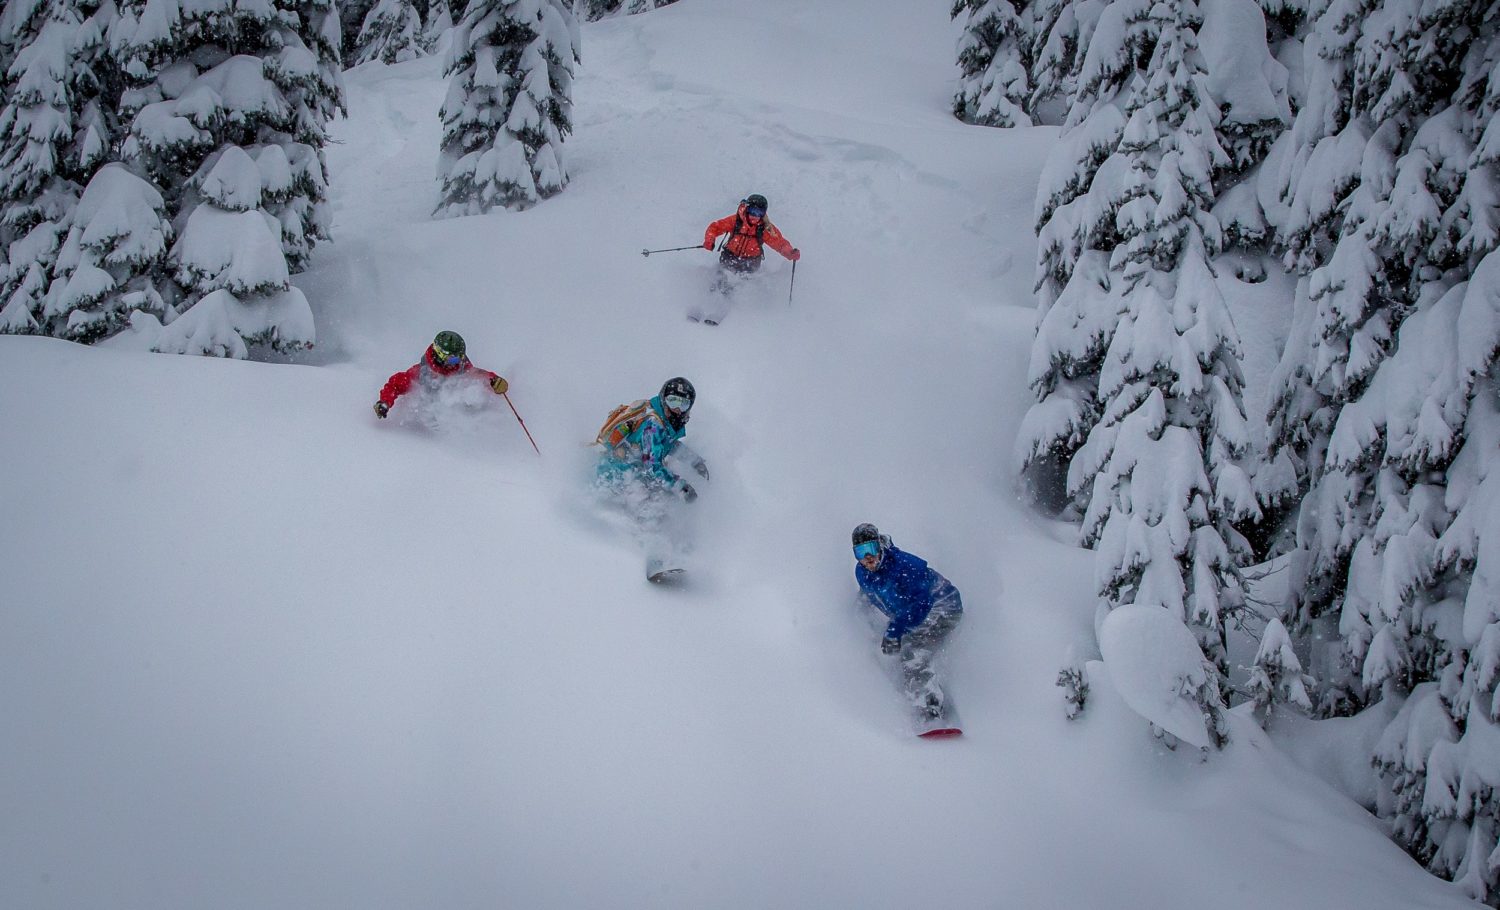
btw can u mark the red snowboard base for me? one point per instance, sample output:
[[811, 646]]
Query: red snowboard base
[[941, 733]]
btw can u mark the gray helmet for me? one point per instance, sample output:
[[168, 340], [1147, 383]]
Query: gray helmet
[[757, 201], [865, 533]]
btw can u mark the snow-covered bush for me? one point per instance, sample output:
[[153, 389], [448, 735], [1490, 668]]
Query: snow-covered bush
[[508, 107]]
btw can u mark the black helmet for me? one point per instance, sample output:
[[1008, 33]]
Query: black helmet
[[865, 533], [757, 201], [678, 387], [448, 344]]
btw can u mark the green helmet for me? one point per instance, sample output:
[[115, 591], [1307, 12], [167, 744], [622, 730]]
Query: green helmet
[[448, 344]]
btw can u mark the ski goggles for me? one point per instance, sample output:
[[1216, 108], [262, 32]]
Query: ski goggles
[[755, 212], [445, 358], [678, 402], [868, 548]]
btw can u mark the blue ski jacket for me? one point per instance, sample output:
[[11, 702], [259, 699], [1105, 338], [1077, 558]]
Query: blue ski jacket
[[645, 448], [906, 589]]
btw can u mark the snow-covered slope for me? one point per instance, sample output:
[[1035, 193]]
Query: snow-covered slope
[[258, 649]]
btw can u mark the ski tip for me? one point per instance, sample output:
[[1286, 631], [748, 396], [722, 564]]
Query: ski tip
[[942, 733]]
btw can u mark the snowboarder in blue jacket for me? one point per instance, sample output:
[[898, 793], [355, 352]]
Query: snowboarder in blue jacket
[[921, 605]]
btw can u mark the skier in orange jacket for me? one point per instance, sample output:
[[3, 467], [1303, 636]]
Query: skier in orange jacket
[[750, 232]]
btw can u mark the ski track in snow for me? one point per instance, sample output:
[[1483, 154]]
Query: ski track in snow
[[325, 661]]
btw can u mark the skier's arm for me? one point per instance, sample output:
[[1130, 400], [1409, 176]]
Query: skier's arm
[[774, 239], [655, 447], [398, 385], [491, 377], [685, 454], [715, 228]]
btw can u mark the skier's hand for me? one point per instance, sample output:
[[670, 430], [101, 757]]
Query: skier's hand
[[688, 493], [890, 646], [499, 385], [795, 254], [701, 468], [382, 409], [708, 245]]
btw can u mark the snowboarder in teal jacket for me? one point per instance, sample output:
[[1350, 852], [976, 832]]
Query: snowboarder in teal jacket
[[921, 605], [634, 473], [639, 437]]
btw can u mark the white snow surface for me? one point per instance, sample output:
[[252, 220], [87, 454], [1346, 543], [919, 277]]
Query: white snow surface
[[259, 649]]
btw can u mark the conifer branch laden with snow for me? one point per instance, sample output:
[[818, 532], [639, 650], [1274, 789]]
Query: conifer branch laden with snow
[[508, 107], [392, 33], [593, 10]]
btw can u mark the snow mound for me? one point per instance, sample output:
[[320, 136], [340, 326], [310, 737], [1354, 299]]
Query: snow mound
[[1154, 663]]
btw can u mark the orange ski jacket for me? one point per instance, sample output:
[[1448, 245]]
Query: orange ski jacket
[[743, 241]]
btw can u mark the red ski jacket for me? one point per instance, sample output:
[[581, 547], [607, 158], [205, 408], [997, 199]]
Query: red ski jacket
[[432, 370], [742, 240]]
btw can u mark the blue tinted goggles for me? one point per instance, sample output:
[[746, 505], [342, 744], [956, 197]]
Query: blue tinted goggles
[[868, 548], [755, 211]]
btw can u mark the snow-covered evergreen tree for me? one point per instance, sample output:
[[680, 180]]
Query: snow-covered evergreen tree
[[993, 60], [1075, 212], [1276, 678], [508, 107], [105, 276], [1362, 182], [230, 109], [1384, 197], [57, 126], [392, 33], [1137, 360]]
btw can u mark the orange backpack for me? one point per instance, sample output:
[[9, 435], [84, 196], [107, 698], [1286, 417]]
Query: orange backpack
[[622, 421]]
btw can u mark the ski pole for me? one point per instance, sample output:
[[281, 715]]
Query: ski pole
[[792, 286], [506, 396], [675, 249]]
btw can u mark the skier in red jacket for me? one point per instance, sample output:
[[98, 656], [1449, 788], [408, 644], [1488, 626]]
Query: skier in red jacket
[[750, 232], [443, 359]]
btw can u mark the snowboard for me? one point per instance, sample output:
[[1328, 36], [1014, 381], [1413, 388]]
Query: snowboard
[[944, 726], [660, 573]]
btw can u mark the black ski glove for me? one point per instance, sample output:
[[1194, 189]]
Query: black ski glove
[[701, 468], [890, 646], [688, 493], [382, 409]]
